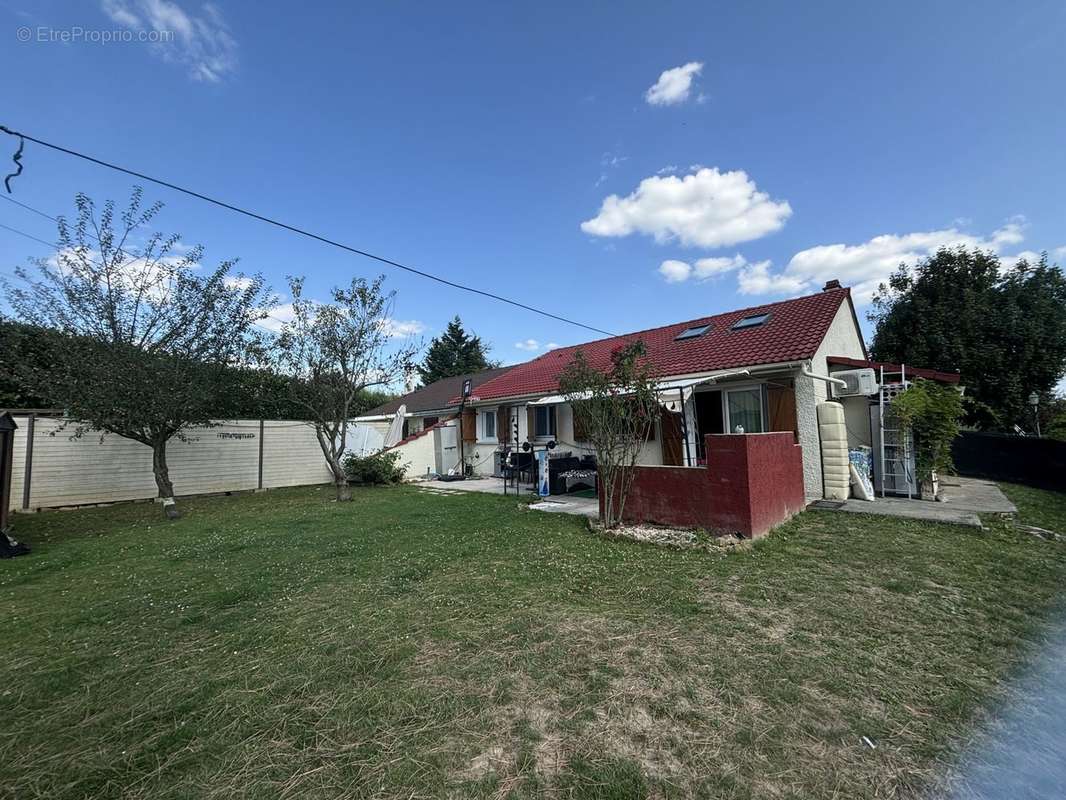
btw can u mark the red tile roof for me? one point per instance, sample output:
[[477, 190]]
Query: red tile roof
[[920, 372], [793, 332]]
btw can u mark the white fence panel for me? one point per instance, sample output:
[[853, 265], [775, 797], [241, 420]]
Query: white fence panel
[[291, 455], [97, 468]]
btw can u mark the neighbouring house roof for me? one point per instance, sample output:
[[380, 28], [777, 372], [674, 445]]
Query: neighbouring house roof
[[921, 372], [437, 396], [792, 331]]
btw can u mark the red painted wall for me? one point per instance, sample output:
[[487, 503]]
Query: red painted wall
[[751, 483]]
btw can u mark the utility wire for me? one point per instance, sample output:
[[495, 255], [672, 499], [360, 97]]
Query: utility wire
[[28, 236], [298, 230]]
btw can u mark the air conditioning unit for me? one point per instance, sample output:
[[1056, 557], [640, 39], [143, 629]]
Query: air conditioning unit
[[859, 382]]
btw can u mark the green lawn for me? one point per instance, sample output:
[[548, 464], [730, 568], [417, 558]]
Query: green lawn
[[409, 645], [1042, 509]]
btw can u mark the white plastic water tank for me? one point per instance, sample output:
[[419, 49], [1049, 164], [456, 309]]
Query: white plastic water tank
[[833, 434]]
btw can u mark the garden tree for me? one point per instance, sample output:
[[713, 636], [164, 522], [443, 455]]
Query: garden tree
[[147, 336], [616, 408], [453, 353], [932, 413], [1004, 330], [335, 352]]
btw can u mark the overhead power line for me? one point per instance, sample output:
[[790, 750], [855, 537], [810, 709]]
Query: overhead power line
[[297, 230], [28, 236]]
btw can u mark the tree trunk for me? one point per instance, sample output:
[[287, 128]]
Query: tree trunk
[[340, 481], [162, 478]]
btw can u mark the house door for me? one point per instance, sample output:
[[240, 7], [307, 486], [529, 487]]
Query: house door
[[708, 417], [673, 441], [447, 447]]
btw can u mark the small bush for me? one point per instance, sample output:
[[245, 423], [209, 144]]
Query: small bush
[[384, 467]]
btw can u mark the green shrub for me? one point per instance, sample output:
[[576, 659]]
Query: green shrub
[[383, 467], [932, 412]]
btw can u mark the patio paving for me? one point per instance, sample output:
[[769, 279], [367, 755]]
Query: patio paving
[[556, 504], [964, 499]]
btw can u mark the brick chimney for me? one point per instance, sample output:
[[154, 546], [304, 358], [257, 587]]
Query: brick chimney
[[830, 285]]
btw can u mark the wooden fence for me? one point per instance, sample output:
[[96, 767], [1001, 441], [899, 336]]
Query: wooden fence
[[52, 468]]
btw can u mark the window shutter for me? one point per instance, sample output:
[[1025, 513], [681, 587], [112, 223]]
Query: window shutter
[[469, 426], [580, 435], [503, 425]]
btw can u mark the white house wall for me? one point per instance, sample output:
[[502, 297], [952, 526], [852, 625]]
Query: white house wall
[[418, 455], [842, 339], [480, 455]]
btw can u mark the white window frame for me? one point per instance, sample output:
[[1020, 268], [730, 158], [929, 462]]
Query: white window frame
[[482, 432], [552, 417], [727, 425]]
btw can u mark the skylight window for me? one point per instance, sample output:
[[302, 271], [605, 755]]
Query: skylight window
[[750, 322], [692, 333]]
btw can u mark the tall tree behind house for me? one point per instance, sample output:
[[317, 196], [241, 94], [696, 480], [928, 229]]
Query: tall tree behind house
[[453, 353], [1004, 330]]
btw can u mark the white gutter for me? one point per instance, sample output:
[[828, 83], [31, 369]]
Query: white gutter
[[833, 381]]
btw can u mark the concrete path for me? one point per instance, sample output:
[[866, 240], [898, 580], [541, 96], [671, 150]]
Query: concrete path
[[1021, 753], [561, 504], [963, 500], [487, 485], [556, 504]]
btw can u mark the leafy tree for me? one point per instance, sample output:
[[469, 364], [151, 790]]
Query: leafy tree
[[453, 353], [1003, 330], [147, 336], [931, 411], [1057, 428], [616, 408], [335, 352]]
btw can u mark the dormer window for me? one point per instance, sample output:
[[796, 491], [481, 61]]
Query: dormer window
[[692, 333], [754, 321]]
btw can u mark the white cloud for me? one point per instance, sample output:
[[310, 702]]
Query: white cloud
[[756, 279], [674, 271], [528, 344], [608, 162], [712, 267], [1059, 252], [552, 346], [1060, 388], [237, 282], [674, 85], [864, 266], [277, 317], [1006, 262], [399, 329], [706, 208], [201, 43]]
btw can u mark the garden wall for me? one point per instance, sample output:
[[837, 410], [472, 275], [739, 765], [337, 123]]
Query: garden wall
[[751, 483], [236, 455]]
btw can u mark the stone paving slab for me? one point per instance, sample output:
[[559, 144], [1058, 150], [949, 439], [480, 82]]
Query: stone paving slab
[[964, 499]]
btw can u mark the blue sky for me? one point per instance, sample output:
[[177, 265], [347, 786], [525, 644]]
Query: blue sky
[[627, 165]]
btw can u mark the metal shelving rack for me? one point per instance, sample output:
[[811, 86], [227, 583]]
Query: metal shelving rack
[[897, 453]]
